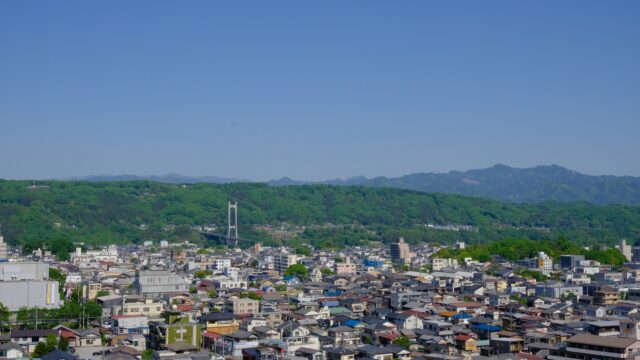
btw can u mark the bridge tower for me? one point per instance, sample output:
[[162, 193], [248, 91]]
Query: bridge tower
[[232, 231]]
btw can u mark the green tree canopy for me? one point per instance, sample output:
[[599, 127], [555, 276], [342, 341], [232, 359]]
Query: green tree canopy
[[298, 270]]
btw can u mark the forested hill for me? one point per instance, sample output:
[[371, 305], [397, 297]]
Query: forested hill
[[499, 182], [504, 183], [132, 211]]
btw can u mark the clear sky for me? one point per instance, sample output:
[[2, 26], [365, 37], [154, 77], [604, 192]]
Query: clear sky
[[317, 90]]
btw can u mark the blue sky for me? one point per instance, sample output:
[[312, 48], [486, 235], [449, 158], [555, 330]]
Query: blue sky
[[317, 90]]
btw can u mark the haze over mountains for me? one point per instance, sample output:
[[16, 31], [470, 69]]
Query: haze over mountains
[[499, 182]]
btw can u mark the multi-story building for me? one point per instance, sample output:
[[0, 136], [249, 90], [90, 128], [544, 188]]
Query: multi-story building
[[129, 324], [27, 284], [544, 262], [238, 306], [344, 336], [90, 289], [570, 261], [400, 251], [557, 289], [226, 282], [4, 252], [24, 271], [438, 264], [346, 267], [283, 260], [626, 250], [139, 307], [81, 259], [155, 283], [221, 264]]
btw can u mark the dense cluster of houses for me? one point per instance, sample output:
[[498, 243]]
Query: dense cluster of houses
[[177, 301]]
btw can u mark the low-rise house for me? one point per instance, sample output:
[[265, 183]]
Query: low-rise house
[[220, 322], [405, 321], [28, 339], [344, 336], [465, 343], [11, 350], [592, 347], [374, 352]]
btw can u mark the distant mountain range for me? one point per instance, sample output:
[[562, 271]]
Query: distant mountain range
[[170, 178], [499, 182]]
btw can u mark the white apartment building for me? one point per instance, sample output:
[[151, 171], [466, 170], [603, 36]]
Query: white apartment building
[[544, 262], [82, 259], [221, 264], [438, 264], [225, 282], [283, 260]]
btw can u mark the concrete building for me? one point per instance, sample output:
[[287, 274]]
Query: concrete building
[[82, 259], [221, 264], [129, 324], [28, 284], [570, 261], [283, 260], [154, 283], [24, 271], [400, 251], [238, 306], [4, 251], [626, 250], [15, 294], [141, 307], [544, 262], [226, 282], [346, 267], [439, 264], [557, 289]]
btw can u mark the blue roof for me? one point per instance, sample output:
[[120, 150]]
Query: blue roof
[[352, 323], [289, 278], [486, 327], [330, 303], [462, 315]]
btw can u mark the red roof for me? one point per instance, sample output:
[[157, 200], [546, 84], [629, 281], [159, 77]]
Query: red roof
[[389, 336], [68, 334], [184, 307], [211, 335], [462, 337]]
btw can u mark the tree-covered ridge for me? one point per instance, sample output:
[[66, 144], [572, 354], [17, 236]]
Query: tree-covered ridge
[[504, 183], [133, 211], [519, 249]]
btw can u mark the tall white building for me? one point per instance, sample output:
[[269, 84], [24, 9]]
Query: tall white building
[[626, 250], [4, 253], [544, 262]]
